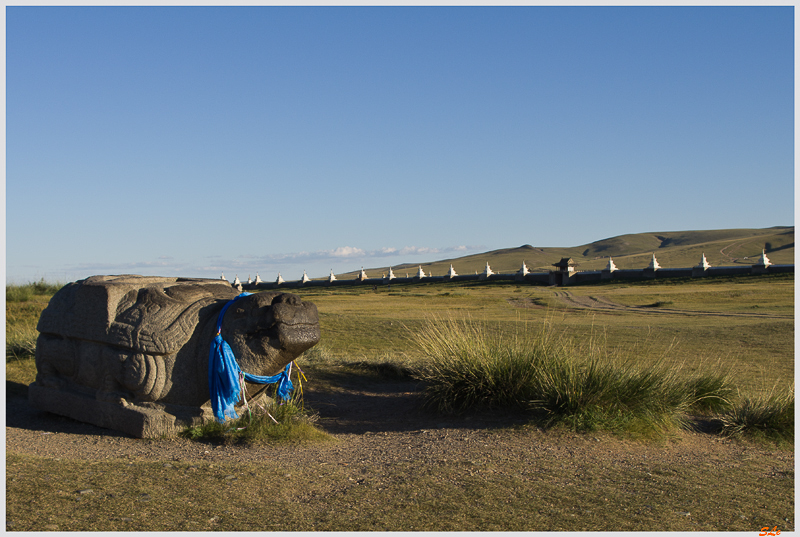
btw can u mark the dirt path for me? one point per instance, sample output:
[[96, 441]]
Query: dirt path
[[725, 254], [599, 303]]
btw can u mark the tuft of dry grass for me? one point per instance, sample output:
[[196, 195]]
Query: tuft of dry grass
[[274, 421], [20, 341], [24, 305], [765, 416], [586, 386]]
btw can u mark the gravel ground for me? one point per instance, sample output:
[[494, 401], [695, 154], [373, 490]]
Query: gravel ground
[[379, 428], [379, 424]]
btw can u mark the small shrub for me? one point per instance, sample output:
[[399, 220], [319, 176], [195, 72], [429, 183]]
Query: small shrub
[[275, 422], [18, 293], [23, 293], [659, 304], [46, 288]]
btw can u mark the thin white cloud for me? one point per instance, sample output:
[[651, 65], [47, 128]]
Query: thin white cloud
[[100, 268], [72, 272], [343, 258], [352, 252], [347, 251]]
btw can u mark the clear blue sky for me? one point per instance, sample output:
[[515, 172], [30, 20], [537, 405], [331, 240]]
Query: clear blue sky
[[191, 141]]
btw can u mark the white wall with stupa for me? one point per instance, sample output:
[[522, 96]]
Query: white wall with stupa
[[564, 272]]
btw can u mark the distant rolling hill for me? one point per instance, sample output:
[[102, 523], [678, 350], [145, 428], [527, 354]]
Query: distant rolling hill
[[722, 247]]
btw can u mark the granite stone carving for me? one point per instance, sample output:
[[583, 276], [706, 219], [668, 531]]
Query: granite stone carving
[[130, 353]]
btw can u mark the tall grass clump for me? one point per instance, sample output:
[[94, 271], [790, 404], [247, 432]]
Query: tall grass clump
[[18, 293], [583, 385], [598, 391], [767, 417], [711, 393], [20, 341], [467, 365], [24, 304], [21, 333]]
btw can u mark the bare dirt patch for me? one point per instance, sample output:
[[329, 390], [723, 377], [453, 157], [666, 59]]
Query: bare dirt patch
[[526, 302]]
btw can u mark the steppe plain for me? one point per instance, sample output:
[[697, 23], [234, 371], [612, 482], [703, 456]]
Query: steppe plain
[[391, 466]]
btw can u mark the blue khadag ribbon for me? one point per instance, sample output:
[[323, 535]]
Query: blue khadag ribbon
[[224, 372]]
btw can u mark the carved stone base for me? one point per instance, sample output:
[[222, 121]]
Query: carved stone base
[[143, 420]]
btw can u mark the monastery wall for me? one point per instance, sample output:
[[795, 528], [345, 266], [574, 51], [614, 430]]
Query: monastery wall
[[565, 275]]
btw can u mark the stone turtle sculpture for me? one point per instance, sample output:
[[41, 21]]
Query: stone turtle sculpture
[[131, 353]]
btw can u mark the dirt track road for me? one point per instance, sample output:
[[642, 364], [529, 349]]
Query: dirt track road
[[569, 300]]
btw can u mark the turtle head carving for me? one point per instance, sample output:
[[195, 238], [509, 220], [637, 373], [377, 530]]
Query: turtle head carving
[[266, 331]]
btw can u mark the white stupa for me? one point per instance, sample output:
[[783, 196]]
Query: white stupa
[[331, 278], [488, 270], [280, 280], [764, 260], [452, 272], [523, 270], [391, 274], [249, 280], [611, 267], [222, 275], [703, 263], [305, 277], [236, 281], [258, 279], [362, 275], [420, 272], [654, 263]]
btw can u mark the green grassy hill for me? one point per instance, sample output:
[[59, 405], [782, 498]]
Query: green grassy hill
[[673, 249]]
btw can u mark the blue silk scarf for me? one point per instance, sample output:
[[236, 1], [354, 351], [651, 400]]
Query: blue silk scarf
[[225, 378]]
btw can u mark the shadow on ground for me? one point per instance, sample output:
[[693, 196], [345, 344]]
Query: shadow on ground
[[22, 415], [359, 398], [346, 401]]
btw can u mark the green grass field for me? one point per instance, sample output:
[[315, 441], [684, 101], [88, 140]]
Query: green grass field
[[743, 325], [747, 325]]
